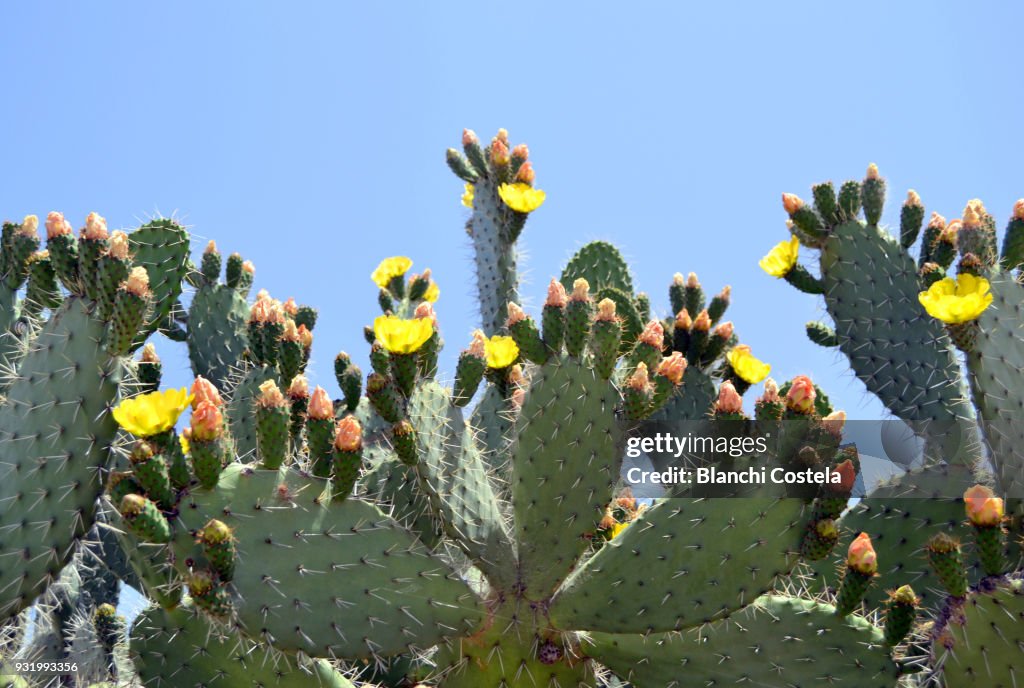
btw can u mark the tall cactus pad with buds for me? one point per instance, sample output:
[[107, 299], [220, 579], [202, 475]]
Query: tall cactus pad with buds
[[773, 642], [56, 431], [217, 331], [182, 648], [601, 265], [321, 577], [556, 496], [162, 247]]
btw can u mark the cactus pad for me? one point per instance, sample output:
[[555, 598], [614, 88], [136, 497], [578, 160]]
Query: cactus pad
[[217, 332], [601, 265]]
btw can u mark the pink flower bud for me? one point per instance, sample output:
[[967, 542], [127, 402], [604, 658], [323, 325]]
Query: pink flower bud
[[605, 311], [207, 423], [137, 282], [478, 345], [305, 337], [983, 508], [521, 152], [673, 367], [56, 225], [847, 477], [211, 247], [556, 294], [518, 397], [95, 227], [861, 556], [912, 199], [525, 174], [248, 267], [499, 153], [801, 395], [936, 221], [469, 137], [653, 335], [204, 390], [290, 307], [1018, 209], [683, 320], [426, 310], [791, 203], [291, 332], [771, 392], [148, 354], [724, 330], [515, 314], [729, 400], [270, 396], [320, 405], [299, 387], [349, 435]]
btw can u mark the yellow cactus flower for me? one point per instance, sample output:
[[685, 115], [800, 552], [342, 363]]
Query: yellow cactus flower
[[467, 197], [744, 364], [390, 268], [957, 301], [432, 293], [520, 197], [500, 351], [617, 530], [402, 336], [151, 414], [781, 259], [184, 443]]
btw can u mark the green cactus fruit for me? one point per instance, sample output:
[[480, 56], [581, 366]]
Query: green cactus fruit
[[127, 317], [404, 368], [873, 195], [930, 239], [469, 371], [272, 435], [944, 249], [849, 200], [719, 304], [819, 539], [528, 339], [218, 543], [647, 353], [233, 271], [210, 594], [899, 614], [404, 436], [63, 250], [121, 483], [210, 264], [385, 301], [637, 401], [351, 383], [825, 203], [380, 360], [460, 166], [911, 219], [306, 315], [578, 314], [604, 345], [663, 390], [292, 360], [821, 334], [693, 294], [299, 405], [345, 472], [698, 343], [947, 561], [151, 472], [552, 321], [168, 444], [109, 626], [810, 225], [42, 291], [627, 314], [208, 459], [1013, 240], [112, 271], [145, 519], [384, 397], [852, 590], [990, 542], [341, 363]]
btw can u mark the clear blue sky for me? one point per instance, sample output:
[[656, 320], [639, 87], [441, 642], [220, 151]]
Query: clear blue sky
[[311, 137]]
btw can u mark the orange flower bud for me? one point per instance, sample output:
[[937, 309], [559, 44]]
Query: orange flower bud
[[499, 153], [119, 245], [556, 294], [204, 390], [148, 354], [305, 337], [847, 476], [299, 387], [469, 137], [290, 307], [207, 423], [936, 221], [137, 282], [248, 267], [729, 400], [270, 396], [872, 171], [1018, 209], [673, 367], [771, 391], [861, 556], [724, 330], [95, 227], [515, 314], [526, 175], [801, 395], [683, 320], [478, 345], [605, 311], [912, 198], [983, 508], [211, 246], [971, 217], [56, 225], [834, 422], [349, 435], [791, 203], [320, 405], [502, 136], [653, 334], [640, 379], [580, 290], [291, 332], [703, 321], [521, 152]]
